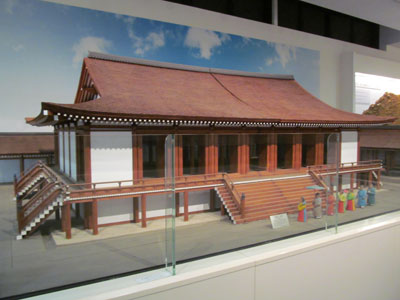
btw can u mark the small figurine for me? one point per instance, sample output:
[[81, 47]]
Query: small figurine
[[317, 206], [361, 196], [342, 201], [371, 195], [331, 204], [350, 201], [302, 208]]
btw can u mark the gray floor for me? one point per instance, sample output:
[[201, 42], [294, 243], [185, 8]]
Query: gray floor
[[36, 263]]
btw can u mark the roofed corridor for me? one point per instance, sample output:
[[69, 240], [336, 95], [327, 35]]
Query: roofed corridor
[[243, 197]]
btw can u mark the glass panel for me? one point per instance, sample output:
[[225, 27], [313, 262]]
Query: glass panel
[[170, 213], [331, 179]]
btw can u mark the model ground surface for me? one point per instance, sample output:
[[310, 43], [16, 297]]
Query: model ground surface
[[37, 263]]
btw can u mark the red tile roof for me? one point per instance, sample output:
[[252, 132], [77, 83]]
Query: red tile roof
[[26, 143], [380, 138], [140, 90]]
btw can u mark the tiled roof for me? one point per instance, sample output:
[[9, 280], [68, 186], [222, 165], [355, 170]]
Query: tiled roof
[[26, 143], [131, 88], [380, 138]]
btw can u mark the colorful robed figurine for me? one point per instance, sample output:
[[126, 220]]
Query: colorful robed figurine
[[317, 206], [331, 204], [350, 201], [342, 201], [302, 208], [362, 197], [371, 195]]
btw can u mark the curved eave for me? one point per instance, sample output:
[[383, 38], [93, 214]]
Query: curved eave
[[43, 120], [72, 114]]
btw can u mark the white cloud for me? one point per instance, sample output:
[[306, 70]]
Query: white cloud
[[9, 6], [285, 54], [270, 61], [152, 41], [126, 19], [18, 47], [204, 40], [141, 45], [89, 43]]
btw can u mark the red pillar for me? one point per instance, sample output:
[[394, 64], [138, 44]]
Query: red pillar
[[95, 226], [67, 220], [137, 153], [135, 210], [296, 152], [177, 204], [272, 152], [143, 206]]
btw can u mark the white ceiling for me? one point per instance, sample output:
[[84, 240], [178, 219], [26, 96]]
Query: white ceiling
[[383, 12]]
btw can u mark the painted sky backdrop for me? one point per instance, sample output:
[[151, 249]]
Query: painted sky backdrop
[[42, 46]]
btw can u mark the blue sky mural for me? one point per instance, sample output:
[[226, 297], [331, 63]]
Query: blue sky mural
[[42, 46]]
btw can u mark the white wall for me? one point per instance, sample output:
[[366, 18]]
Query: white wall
[[361, 262], [111, 158], [67, 167], [61, 149], [72, 141], [349, 146], [157, 205]]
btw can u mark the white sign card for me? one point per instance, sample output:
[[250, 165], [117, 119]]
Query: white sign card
[[279, 221]]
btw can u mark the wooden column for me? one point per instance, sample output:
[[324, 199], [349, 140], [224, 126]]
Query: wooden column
[[137, 153], [272, 152], [95, 226], [143, 207], [211, 154], [212, 200], [223, 212], [177, 204], [186, 206], [67, 220], [135, 209], [296, 152], [319, 149], [21, 166], [243, 153], [178, 156]]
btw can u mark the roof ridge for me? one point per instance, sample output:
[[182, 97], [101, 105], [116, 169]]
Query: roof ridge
[[167, 65]]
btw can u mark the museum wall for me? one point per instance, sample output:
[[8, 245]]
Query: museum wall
[[336, 86], [364, 266]]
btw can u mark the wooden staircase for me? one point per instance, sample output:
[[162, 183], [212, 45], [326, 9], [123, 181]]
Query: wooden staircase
[[266, 197], [38, 193]]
